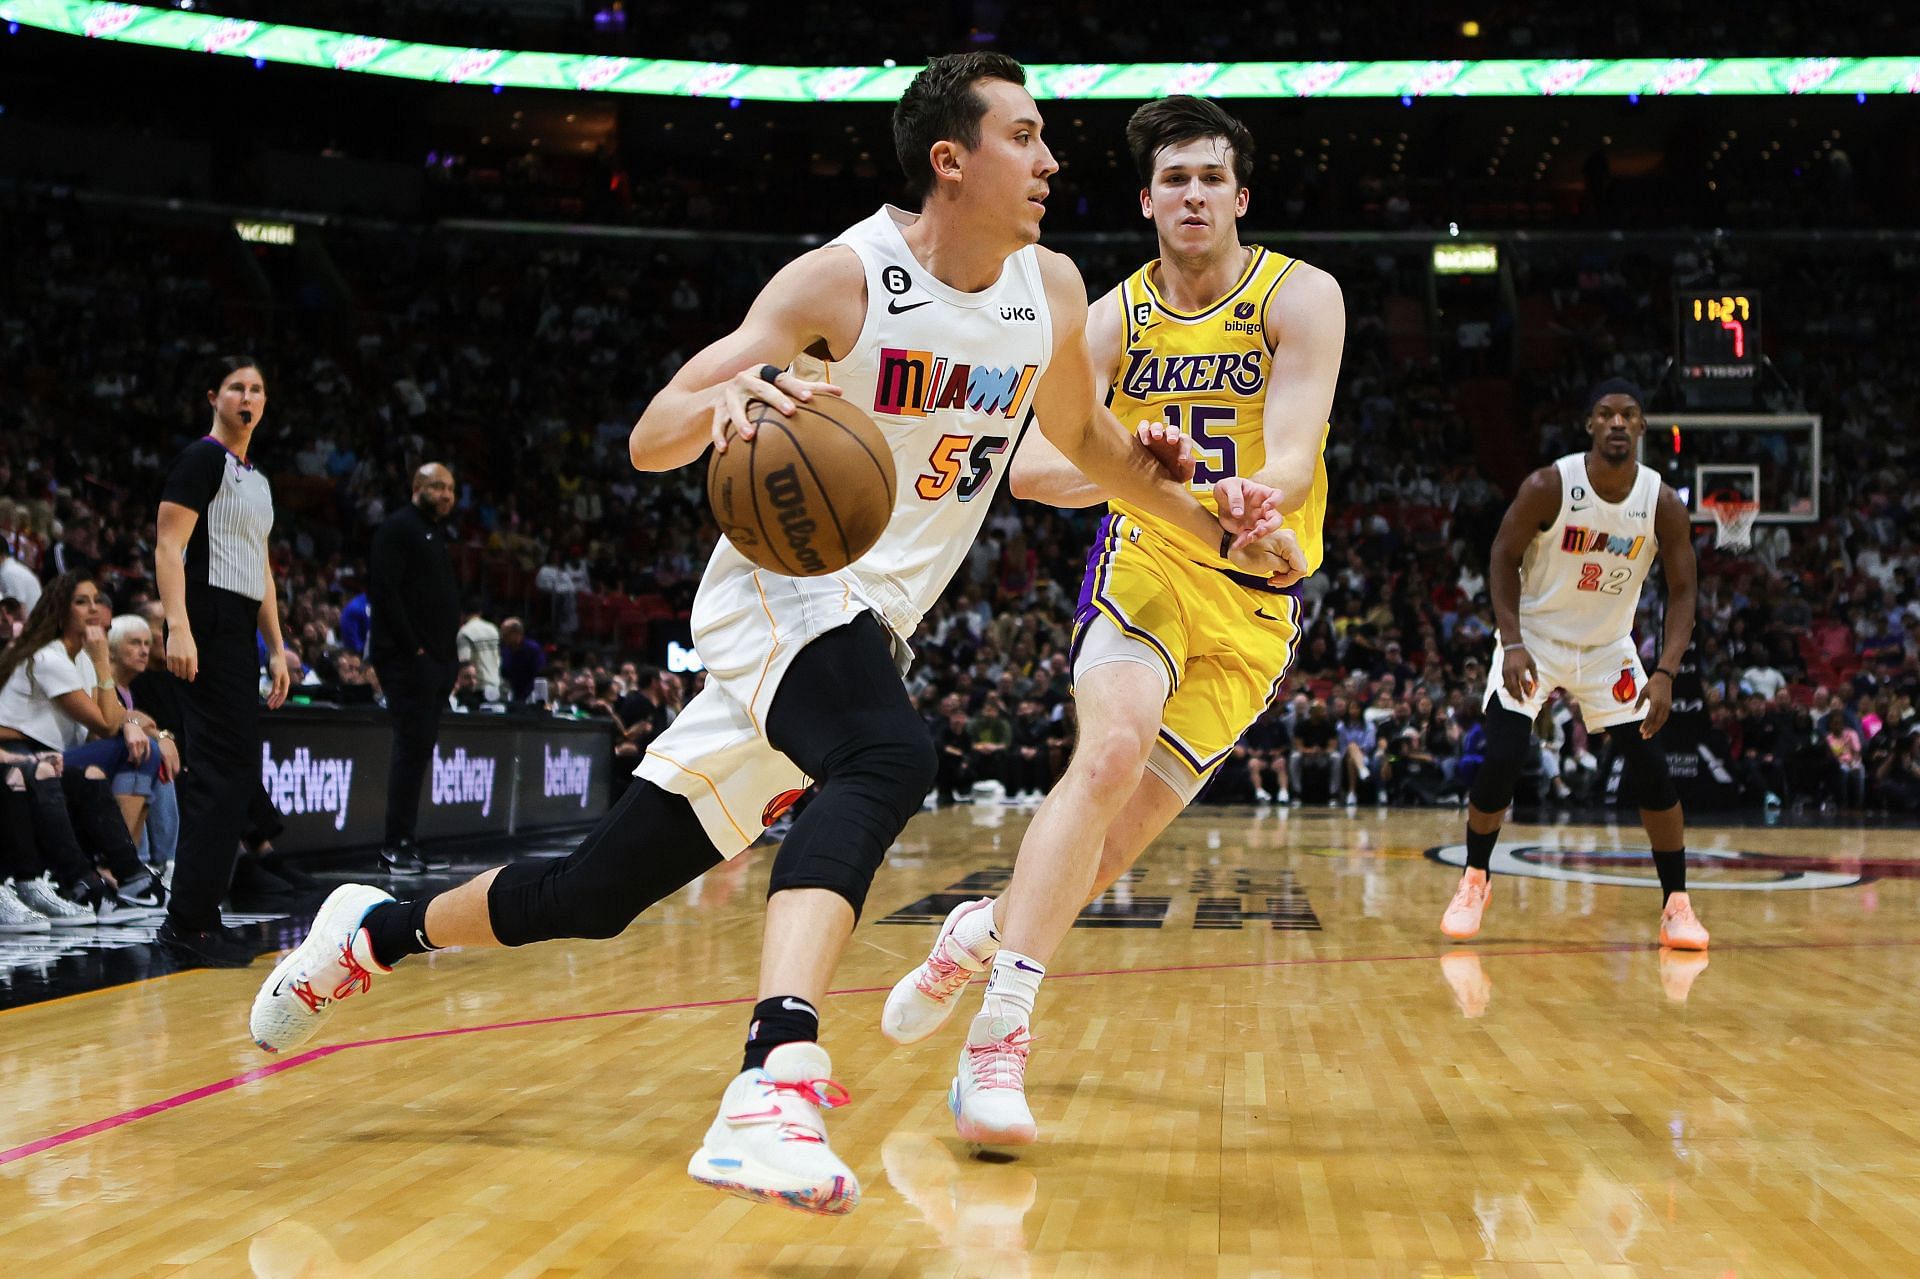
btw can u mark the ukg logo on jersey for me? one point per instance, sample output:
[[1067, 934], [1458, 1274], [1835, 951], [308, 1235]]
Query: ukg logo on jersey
[[461, 778], [308, 783], [566, 773], [916, 383]]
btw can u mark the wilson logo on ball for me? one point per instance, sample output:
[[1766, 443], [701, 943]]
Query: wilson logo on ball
[[790, 504]]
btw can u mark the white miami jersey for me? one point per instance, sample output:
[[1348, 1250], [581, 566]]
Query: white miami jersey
[[949, 379], [1580, 579]]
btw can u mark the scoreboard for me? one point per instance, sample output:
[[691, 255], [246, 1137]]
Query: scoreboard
[[1719, 342]]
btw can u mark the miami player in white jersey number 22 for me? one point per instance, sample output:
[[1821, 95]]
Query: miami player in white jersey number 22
[[948, 323], [1565, 575]]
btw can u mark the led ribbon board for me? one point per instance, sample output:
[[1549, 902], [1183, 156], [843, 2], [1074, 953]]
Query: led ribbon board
[[446, 64]]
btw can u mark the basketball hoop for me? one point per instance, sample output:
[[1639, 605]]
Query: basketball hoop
[[1734, 516]]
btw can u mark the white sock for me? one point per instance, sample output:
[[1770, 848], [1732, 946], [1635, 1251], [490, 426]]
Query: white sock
[[976, 934], [1012, 986]]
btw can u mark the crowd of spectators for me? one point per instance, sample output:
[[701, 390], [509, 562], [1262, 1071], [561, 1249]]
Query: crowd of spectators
[[523, 361]]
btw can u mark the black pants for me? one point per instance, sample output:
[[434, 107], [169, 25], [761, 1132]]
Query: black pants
[[841, 713], [38, 827], [222, 756], [416, 689]]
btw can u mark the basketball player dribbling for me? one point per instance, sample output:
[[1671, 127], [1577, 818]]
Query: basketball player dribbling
[[1235, 350], [955, 331], [1565, 574]]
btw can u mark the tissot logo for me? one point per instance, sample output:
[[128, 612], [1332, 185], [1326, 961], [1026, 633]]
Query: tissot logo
[[566, 773], [1017, 313], [461, 778], [307, 783]]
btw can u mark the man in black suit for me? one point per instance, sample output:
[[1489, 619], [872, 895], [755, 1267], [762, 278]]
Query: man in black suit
[[416, 614]]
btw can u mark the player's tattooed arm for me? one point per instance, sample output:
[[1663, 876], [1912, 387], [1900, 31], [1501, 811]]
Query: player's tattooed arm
[[1674, 528], [816, 303], [1306, 328], [1042, 473], [1535, 507]]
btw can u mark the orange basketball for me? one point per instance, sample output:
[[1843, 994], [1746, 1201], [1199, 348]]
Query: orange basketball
[[808, 494]]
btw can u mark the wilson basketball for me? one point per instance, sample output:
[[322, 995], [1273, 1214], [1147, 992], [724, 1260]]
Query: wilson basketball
[[808, 494]]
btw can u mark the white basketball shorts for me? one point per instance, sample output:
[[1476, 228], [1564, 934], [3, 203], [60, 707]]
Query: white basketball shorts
[[748, 626], [1605, 679]]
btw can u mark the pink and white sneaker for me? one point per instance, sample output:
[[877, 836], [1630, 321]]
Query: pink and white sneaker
[[989, 1093], [1469, 903], [334, 962], [1680, 928], [921, 1002], [769, 1143]]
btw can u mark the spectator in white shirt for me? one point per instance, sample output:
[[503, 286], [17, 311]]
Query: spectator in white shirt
[[17, 581]]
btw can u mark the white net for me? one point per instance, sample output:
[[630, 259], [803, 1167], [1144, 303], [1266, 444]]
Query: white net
[[1733, 517]]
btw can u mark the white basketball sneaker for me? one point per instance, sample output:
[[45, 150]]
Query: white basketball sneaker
[[988, 1097], [921, 1002], [769, 1143], [334, 962]]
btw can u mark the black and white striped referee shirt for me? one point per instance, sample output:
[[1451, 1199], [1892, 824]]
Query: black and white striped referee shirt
[[228, 548]]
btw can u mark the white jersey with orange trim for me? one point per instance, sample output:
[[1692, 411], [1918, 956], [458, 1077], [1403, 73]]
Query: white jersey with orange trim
[[1580, 580], [949, 379]]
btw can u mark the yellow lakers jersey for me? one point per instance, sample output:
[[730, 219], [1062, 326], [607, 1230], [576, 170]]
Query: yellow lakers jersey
[[1206, 373]]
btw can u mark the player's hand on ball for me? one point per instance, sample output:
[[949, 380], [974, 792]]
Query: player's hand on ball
[[1518, 674], [780, 388], [1170, 446], [1657, 696]]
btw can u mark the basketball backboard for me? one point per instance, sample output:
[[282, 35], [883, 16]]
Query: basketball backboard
[[1771, 458]]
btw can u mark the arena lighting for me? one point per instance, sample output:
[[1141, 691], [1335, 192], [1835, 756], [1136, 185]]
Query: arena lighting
[[446, 64]]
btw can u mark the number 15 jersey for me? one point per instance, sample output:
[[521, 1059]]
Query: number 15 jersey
[[1206, 373], [1580, 579]]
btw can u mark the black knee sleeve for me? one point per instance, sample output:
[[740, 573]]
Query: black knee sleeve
[[648, 847], [1509, 737], [841, 839], [1647, 780]]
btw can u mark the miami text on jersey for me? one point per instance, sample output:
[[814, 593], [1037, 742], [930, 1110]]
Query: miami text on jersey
[[916, 383], [1584, 541]]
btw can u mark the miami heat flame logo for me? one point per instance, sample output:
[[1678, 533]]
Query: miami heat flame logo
[[1624, 688], [779, 804]]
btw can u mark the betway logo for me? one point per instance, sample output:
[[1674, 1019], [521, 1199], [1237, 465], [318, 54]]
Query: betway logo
[[463, 779], [307, 783], [566, 773]]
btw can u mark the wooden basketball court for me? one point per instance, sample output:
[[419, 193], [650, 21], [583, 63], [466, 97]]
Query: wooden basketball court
[[1260, 1057]]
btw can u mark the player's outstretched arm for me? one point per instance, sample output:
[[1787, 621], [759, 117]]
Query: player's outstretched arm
[[817, 301], [1535, 507], [1674, 528], [1042, 473], [1306, 324], [1071, 415]]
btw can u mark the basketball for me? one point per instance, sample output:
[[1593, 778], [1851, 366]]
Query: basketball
[[808, 494]]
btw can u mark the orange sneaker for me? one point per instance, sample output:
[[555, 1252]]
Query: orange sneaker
[[1462, 919], [1678, 968], [1472, 988], [1680, 928]]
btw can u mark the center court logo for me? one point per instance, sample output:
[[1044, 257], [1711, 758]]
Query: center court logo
[[461, 778], [565, 773], [307, 783], [1770, 873]]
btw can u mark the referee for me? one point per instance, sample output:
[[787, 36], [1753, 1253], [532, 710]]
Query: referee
[[416, 615], [217, 587]]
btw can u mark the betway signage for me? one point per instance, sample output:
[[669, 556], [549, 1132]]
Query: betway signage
[[326, 773]]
